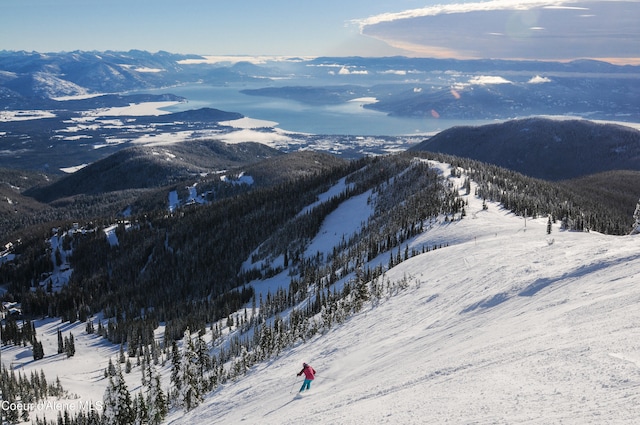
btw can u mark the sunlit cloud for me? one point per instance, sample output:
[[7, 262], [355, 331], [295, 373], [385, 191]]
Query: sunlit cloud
[[394, 72], [483, 80], [458, 8], [539, 80], [346, 71], [520, 29]]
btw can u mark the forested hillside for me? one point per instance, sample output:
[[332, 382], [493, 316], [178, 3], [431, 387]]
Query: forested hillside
[[193, 256], [189, 268], [544, 148]]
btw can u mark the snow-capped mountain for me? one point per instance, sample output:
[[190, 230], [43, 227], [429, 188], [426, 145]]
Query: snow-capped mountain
[[50, 86]]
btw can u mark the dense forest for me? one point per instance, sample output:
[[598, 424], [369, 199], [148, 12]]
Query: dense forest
[[190, 269], [167, 264]]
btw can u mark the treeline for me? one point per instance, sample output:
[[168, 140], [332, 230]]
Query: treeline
[[182, 268], [526, 196], [23, 334], [185, 268]]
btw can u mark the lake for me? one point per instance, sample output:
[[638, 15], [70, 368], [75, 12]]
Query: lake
[[349, 118]]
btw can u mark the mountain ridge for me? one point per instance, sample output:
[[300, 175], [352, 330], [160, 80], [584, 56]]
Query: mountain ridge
[[149, 167], [543, 148]]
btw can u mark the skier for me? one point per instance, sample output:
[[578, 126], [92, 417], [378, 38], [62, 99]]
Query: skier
[[309, 373]]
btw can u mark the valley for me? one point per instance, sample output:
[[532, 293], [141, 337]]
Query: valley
[[62, 111]]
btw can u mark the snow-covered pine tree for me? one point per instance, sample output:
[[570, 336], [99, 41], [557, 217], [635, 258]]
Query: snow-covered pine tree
[[69, 345], [118, 407], [109, 403], [141, 410], [636, 217], [156, 400], [9, 396], [190, 393], [111, 369], [121, 357], [203, 362]]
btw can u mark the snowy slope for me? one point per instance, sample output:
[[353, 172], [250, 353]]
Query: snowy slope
[[505, 325]]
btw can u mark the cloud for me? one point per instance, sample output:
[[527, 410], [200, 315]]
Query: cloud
[[483, 80], [520, 29], [480, 80], [346, 71], [457, 8], [394, 72], [539, 80]]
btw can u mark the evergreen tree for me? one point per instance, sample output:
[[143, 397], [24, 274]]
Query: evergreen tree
[[204, 360], [111, 369], [361, 290], [176, 367], [156, 400], [69, 345], [60, 343], [44, 391], [121, 357], [90, 329], [190, 394], [141, 410], [636, 217], [9, 396], [38, 351], [118, 406], [110, 403], [158, 404]]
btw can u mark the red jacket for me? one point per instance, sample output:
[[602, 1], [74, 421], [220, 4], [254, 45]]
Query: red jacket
[[308, 372]]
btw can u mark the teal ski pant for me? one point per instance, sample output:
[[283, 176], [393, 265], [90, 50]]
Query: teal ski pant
[[306, 385]]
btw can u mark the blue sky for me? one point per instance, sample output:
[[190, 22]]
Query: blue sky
[[510, 29], [256, 27]]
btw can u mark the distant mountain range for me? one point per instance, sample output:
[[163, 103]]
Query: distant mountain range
[[402, 86], [65, 89], [26, 77]]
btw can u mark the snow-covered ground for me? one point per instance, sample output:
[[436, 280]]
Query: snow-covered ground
[[504, 324], [134, 109]]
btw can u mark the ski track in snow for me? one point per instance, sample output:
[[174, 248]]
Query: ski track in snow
[[503, 325]]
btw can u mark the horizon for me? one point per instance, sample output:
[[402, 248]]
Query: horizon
[[545, 30]]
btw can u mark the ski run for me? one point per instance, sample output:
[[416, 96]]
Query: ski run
[[506, 324]]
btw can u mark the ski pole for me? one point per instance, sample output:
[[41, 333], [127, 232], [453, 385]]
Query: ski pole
[[293, 386]]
